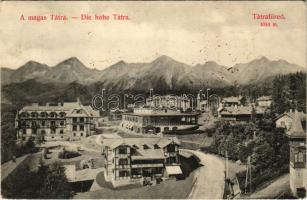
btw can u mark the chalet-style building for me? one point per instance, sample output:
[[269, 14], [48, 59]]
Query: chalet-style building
[[148, 120], [134, 160], [51, 122], [169, 102], [285, 120], [240, 113], [298, 170], [264, 101], [232, 101]]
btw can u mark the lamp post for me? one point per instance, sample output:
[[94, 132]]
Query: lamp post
[[208, 99]]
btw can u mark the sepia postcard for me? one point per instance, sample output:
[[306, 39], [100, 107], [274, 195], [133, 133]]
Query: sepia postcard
[[153, 99]]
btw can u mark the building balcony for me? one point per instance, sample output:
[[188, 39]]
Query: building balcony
[[123, 166], [122, 155], [170, 123], [146, 165]]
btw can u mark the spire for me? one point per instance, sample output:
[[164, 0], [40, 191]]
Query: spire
[[296, 130]]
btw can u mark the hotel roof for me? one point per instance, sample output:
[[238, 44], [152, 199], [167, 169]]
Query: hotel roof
[[68, 107], [139, 142], [232, 99], [296, 129]]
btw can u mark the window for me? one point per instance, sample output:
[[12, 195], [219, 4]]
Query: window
[[43, 114], [171, 148], [43, 132], [74, 120], [82, 119], [74, 127], [171, 159], [122, 150], [81, 128], [52, 137], [300, 157], [43, 123], [62, 137], [62, 114], [34, 124], [53, 114], [62, 123], [156, 146], [81, 134], [61, 132], [123, 173], [123, 161], [52, 123], [33, 114], [74, 134], [78, 111], [145, 146]]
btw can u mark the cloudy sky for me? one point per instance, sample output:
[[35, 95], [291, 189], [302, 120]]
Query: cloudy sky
[[190, 32]]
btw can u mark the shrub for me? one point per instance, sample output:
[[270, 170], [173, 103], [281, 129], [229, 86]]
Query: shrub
[[68, 154]]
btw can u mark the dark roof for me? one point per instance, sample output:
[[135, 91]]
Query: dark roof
[[296, 129], [240, 110], [149, 141]]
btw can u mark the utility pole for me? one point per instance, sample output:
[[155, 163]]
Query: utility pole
[[248, 177], [208, 99]]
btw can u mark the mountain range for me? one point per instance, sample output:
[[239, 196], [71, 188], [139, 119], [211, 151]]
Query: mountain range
[[162, 73]]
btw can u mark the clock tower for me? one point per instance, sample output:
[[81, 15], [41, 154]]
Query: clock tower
[[297, 157]]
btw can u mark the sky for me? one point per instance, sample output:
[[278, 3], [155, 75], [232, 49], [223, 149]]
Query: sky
[[189, 32]]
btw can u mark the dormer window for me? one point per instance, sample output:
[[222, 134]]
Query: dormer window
[[43, 114], [145, 146], [78, 111], [24, 115], [156, 146], [34, 114], [62, 114], [53, 115]]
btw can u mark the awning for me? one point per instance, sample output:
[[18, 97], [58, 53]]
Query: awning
[[173, 170]]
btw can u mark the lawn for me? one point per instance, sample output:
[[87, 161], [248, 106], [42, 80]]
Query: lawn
[[170, 189]]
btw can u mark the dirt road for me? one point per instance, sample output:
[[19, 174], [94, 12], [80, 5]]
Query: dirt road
[[210, 178]]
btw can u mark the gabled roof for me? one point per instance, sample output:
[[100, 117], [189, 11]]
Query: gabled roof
[[296, 129], [139, 142], [302, 115], [232, 99], [68, 107]]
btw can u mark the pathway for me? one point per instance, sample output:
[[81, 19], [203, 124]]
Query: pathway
[[210, 178]]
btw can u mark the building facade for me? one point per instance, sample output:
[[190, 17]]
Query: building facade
[[147, 120], [240, 113], [133, 160], [264, 101], [52, 122], [285, 120], [169, 102], [298, 170]]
